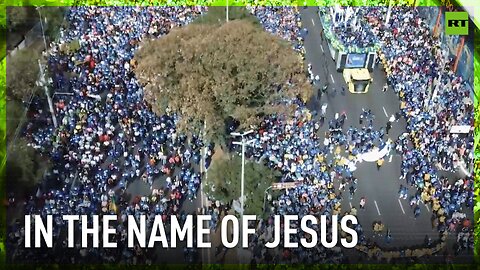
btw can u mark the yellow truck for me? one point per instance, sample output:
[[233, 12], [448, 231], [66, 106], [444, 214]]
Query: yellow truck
[[358, 80]]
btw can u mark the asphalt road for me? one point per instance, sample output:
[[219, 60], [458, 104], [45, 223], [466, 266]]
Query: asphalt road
[[380, 187]]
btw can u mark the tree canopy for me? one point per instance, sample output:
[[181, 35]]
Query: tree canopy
[[223, 182], [55, 20], [22, 73], [15, 118], [210, 72], [25, 167], [21, 17]]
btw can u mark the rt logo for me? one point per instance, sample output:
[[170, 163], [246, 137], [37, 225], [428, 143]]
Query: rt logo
[[457, 23]]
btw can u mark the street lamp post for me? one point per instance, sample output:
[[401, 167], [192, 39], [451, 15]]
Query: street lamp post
[[389, 12], [226, 7], [43, 83], [41, 25], [243, 143]]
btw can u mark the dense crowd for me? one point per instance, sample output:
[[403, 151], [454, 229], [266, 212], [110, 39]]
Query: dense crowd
[[415, 71], [293, 146], [106, 142], [107, 135], [281, 21], [323, 167], [347, 27], [433, 99], [323, 164]]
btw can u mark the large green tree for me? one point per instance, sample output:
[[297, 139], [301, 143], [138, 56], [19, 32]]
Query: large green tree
[[208, 73], [224, 182]]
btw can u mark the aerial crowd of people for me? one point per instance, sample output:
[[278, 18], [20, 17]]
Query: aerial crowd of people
[[415, 66], [294, 147], [108, 137], [346, 27]]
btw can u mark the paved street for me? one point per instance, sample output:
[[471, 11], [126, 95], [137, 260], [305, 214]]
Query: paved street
[[380, 187]]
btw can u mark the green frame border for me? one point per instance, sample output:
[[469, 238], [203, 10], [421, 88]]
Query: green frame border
[[6, 3]]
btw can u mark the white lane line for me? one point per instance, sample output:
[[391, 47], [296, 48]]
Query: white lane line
[[313, 22], [321, 46], [331, 77], [401, 206], [385, 111], [378, 210], [350, 205], [390, 159]]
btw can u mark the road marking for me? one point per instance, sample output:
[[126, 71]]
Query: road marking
[[321, 46], [401, 206], [385, 111], [350, 205], [331, 77], [313, 22], [378, 210], [390, 159]]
